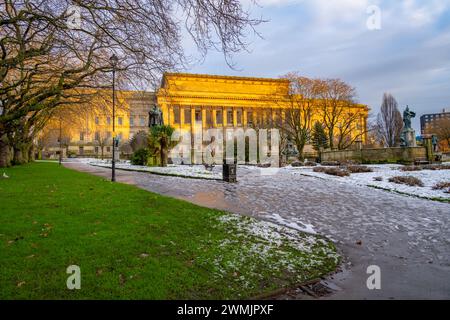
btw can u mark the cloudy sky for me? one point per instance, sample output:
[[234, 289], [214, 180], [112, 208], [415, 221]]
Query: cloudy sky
[[408, 57]]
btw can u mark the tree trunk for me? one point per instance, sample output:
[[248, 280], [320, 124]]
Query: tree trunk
[[163, 153], [4, 153], [25, 153], [300, 146], [31, 153], [18, 156], [331, 139], [39, 153]]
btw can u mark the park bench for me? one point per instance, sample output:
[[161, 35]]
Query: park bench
[[420, 161]]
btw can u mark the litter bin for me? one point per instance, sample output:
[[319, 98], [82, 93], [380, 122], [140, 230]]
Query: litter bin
[[229, 172]]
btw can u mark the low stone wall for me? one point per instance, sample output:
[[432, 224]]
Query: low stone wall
[[378, 155]]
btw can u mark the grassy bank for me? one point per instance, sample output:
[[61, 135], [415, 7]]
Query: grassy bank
[[133, 244]]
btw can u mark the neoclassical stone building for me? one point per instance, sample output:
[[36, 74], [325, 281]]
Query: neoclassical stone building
[[214, 101], [186, 101], [87, 129]]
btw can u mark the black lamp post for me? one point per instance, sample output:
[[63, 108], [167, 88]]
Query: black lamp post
[[60, 141], [114, 60]]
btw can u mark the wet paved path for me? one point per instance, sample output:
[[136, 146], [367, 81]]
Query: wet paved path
[[408, 238]]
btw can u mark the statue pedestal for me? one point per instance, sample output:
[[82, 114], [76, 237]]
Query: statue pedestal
[[409, 138]]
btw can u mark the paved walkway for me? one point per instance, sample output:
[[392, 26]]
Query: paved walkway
[[408, 238]]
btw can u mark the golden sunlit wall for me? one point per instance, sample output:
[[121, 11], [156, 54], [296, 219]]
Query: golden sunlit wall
[[225, 101], [88, 128]]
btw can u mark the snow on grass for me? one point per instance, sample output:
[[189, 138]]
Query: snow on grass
[[189, 171], [429, 178], [255, 251], [300, 226]]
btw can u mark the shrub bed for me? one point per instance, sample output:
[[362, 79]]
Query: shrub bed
[[333, 171], [140, 157], [411, 168], [442, 185], [330, 163], [358, 169], [436, 167], [408, 180]]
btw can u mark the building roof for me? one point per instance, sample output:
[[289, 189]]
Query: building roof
[[215, 76]]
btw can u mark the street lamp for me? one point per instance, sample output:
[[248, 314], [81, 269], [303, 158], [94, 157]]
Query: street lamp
[[60, 140], [114, 60]]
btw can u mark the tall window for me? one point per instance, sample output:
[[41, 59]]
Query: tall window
[[209, 117], [260, 117], [249, 118], [230, 117], [176, 115], [81, 136], [198, 115], [97, 136], [97, 121], [120, 121], [219, 117], [187, 115], [131, 121], [108, 135], [80, 151], [108, 120], [142, 121], [239, 116]]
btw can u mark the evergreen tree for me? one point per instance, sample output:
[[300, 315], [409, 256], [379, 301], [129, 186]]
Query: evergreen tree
[[319, 137], [160, 143]]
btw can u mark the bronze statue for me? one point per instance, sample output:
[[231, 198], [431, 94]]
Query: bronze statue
[[155, 117], [407, 116], [407, 137]]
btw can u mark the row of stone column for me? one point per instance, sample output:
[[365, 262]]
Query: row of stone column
[[240, 116]]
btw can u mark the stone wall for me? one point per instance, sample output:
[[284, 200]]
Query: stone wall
[[378, 155]]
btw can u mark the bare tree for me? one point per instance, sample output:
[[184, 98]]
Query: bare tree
[[140, 140], [351, 127], [102, 140], [45, 61], [389, 123], [340, 114], [297, 125]]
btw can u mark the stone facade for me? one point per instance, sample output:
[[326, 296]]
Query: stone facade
[[378, 155], [212, 101], [91, 130], [188, 101]]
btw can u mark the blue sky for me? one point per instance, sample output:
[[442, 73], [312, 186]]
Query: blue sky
[[408, 57]]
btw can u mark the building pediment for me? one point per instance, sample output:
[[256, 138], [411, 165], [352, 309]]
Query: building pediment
[[182, 84]]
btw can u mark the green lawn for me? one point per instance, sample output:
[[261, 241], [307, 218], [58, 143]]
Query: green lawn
[[133, 244]]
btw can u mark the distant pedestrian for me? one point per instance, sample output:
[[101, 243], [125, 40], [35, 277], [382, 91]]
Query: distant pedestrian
[[434, 142]]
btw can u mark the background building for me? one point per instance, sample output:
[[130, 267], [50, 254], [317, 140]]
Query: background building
[[86, 130], [214, 101], [187, 101], [430, 121]]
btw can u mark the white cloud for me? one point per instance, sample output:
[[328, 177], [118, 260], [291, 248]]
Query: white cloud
[[419, 14], [409, 56]]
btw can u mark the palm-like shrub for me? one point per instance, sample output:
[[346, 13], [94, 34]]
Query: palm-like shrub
[[160, 142]]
